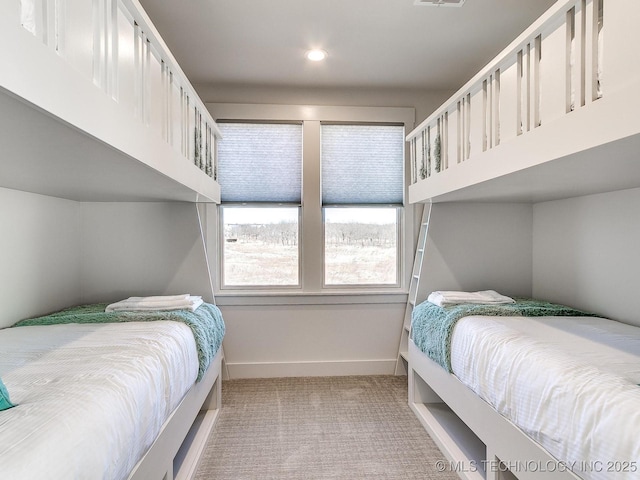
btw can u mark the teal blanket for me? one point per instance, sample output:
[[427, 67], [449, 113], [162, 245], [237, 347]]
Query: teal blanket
[[206, 324], [432, 326]]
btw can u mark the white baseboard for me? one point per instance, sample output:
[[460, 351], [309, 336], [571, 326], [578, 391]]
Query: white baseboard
[[311, 369]]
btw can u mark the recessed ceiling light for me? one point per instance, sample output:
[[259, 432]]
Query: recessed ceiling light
[[316, 55]]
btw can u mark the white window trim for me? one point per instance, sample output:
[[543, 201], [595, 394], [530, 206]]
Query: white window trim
[[251, 288], [311, 228]]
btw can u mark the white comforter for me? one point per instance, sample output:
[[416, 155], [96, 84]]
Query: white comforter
[[571, 384], [91, 398]]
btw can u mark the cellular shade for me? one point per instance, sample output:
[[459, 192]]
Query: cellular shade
[[260, 162], [362, 164]]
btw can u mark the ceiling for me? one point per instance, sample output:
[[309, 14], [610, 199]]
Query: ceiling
[[371, 43]]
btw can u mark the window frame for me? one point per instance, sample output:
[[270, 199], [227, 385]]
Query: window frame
[[311, 233], [221, 268]]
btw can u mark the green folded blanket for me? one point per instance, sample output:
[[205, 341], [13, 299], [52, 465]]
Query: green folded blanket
[[206, 324], [432, 326]]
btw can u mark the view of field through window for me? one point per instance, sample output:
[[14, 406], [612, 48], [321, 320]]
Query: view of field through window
[[261, 246], [360, 246]]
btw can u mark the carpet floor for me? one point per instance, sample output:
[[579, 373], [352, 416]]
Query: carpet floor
[[319, 428]]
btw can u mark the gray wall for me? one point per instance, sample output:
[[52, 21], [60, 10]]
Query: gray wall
[[55, 253], [39, 261], [138, 249], [586, 253], [424, 101], [479, 246]]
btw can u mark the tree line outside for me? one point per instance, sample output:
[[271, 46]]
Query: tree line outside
[[286, 234]]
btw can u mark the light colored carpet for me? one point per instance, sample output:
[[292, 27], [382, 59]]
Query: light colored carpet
[[319, 428]]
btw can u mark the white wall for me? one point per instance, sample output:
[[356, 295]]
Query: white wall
[[424, 101], [39, 265], [311, 339], [138, 249], [585, 253], [56, 253], [479, 246]]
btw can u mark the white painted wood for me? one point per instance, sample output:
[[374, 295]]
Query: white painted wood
[[621, 59], [75, 38], [552, 75], [41, 91], [416, 293], [508, 103], [177, 427], [464, 423], [560, 158], [186, 463], [304, 368], [567, 155]]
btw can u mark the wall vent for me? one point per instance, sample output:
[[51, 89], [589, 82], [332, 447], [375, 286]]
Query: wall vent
[[439, 3]]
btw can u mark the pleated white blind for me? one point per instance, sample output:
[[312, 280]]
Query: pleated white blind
[[260, 162], [362, 164]]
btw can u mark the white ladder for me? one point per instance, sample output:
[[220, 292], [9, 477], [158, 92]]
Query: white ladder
[[416, 294]]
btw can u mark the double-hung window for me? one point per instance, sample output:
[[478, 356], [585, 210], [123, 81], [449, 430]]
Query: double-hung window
[[260, 172], [362, 198]]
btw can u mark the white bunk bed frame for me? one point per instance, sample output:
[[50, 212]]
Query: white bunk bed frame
[[95, 108], [555, 115], [177, 449], [478, 442]]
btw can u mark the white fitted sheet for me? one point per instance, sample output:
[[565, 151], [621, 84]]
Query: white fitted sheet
[[91, 398], [570, 383]]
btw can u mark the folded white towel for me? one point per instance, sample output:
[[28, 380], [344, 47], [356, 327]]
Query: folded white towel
[[446, 298], [159, 298], [150, 304]]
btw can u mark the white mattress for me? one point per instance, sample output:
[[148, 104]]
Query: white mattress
[[91, 398], [570, 383]]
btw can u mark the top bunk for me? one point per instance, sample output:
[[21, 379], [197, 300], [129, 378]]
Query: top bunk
[[94, 107], [554, 115]]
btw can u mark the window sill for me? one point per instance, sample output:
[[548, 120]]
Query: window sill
[[236, 298]]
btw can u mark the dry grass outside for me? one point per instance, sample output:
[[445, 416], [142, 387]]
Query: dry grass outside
[[261, 263], [348, 264]]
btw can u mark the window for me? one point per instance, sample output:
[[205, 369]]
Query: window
[[362, 197], [260, 246], [312, 200], [260, 172], [360, 246]]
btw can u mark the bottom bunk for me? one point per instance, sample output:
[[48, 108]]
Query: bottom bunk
[[552, 397], [118, 395]]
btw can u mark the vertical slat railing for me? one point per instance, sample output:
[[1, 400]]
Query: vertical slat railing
[[518, 91], [114, 45]]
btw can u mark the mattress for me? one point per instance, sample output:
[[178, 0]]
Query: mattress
[[91, 397], [570, 383]]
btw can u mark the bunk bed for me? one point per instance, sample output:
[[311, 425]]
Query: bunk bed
[[110, 394], [95, 113], [552, 117]]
